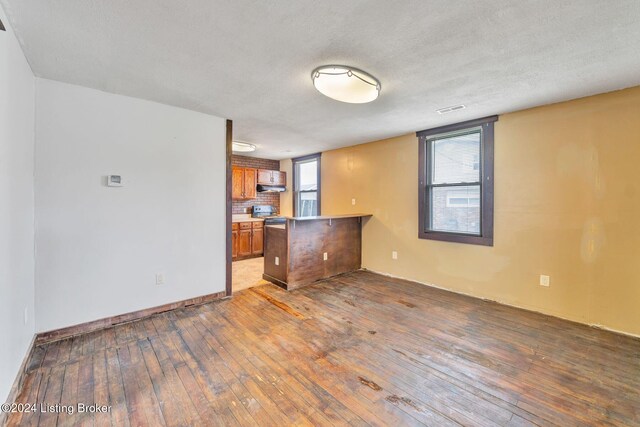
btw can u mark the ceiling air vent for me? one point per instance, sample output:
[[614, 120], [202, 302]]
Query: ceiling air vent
[[446, 110], [2, 26]]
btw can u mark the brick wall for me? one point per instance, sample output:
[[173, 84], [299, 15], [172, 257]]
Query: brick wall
[[273, 199]]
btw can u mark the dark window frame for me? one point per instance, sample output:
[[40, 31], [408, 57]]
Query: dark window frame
[[486, 179], [317, 157]]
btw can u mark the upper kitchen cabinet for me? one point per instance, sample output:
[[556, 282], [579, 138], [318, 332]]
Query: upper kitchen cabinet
[[250, 182], [269, 177], [244, 181]]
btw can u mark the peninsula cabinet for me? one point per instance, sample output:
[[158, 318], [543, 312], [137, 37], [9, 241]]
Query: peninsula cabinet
[[306, 249], [269, 177], [244, 181]]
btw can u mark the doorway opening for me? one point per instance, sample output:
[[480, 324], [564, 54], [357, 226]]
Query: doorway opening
[[253, 199]]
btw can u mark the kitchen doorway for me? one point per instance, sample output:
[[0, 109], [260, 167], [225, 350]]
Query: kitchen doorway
[[253, 200]]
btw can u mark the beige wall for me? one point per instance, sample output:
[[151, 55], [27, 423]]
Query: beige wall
[[286, 198], [567, 204]]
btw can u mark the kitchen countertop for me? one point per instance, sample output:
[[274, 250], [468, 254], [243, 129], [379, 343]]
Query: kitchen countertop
[[321, 217], [245, 218]]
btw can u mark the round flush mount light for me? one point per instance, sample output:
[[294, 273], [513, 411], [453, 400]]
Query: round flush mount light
[[242, 147], [346, 84]]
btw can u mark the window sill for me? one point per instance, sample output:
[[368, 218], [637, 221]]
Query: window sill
[[456, 238]]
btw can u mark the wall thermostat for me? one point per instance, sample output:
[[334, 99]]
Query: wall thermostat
[[114, 181]]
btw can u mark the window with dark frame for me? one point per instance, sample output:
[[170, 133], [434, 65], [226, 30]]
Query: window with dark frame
[[306, 185], [456, 182]]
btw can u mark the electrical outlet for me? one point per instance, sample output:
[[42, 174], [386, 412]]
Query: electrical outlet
[[159, 279], [394, 254], [325, 256], [544, 280], [26, 315], [277, 260], [353, 202]]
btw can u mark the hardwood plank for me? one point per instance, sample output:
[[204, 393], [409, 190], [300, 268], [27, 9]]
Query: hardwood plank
[[356, 349], [279, 374], [117, 398], [52, 396], [345, 387], [142, 405], [232, 383], [28, 393], [175, 409], [69, 394], [183, 384], [101, 388]]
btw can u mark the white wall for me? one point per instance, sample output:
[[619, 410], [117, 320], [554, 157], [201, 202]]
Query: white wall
[[98, 248], [17, 86]]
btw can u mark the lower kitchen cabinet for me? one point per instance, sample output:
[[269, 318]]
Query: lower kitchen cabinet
[[247, 239], [257, 238], [234, 240]]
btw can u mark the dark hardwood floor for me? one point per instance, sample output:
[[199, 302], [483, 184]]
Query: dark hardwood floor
[[357, 349]]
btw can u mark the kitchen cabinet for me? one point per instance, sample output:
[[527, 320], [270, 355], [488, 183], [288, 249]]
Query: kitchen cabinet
[[237, 183], [247, 239], [244, 181], [234, 240], [279, 178], [244, 243], [269, 177], [264, 176], [250, 182], [257, 237]]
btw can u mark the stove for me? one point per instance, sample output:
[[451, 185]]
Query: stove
[[269, 213]]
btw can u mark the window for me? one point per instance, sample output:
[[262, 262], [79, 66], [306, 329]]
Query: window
[[306, 185], [456, 182]]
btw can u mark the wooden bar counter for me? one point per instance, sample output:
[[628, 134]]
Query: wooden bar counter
[[294, 252]]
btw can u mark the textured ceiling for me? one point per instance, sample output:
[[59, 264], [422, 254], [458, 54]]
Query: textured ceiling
[[250, 61]]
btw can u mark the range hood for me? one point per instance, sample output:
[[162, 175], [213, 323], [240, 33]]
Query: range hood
[[271, 188]]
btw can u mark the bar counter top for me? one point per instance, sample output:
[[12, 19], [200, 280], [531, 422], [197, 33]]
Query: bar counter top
[[321, 217]]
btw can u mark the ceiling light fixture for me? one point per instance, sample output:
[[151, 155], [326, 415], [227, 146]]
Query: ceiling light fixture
[[242, 147], [346, 84]]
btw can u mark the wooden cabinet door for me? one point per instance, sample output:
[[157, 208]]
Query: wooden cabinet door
[[279, 178], [237, 185], [257, 237], [250, 182], [265, 177], [244, 242], [234, 244]]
